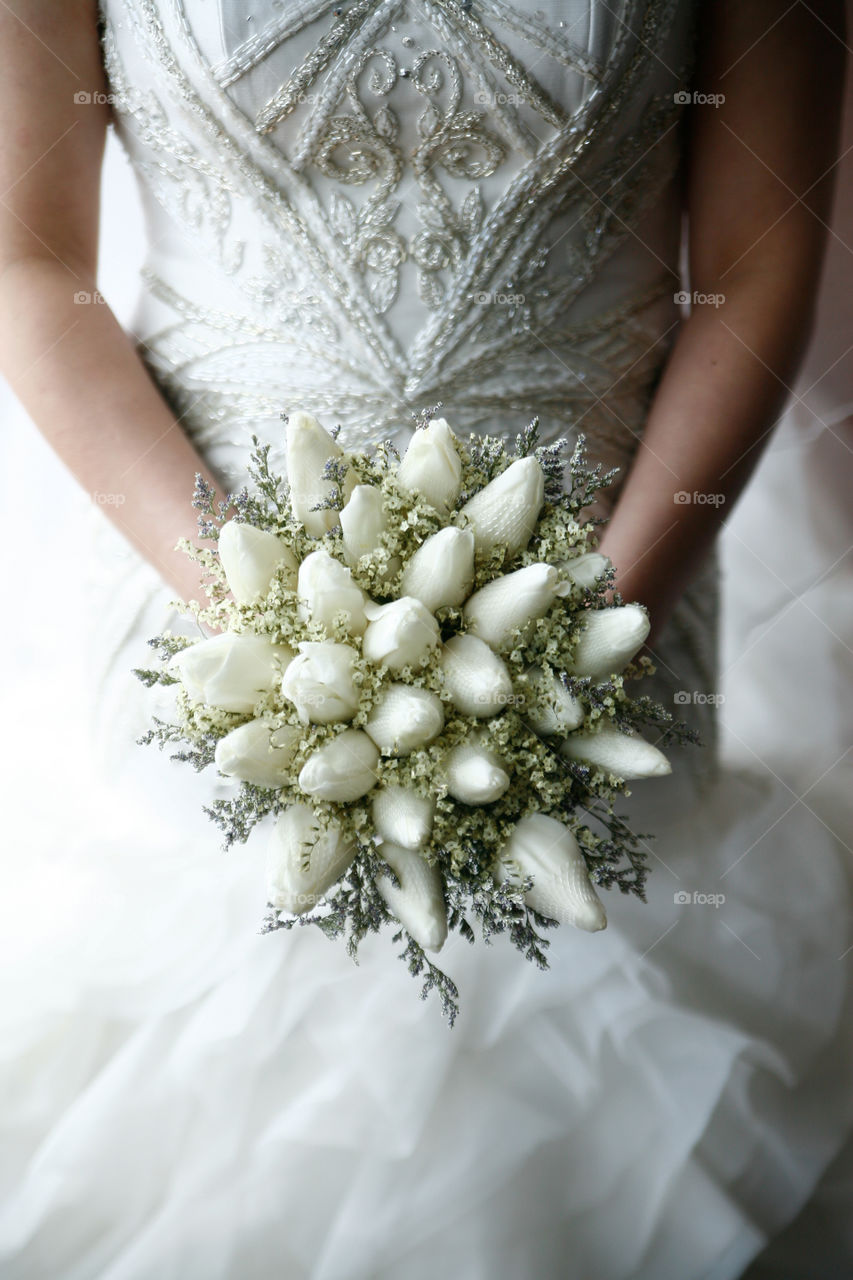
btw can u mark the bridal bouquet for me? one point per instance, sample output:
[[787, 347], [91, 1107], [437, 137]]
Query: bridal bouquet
[[416, 678]]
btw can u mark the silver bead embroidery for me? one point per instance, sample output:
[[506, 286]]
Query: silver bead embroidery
[[451, 247]]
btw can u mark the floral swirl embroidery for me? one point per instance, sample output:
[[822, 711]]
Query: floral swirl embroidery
[[474, 243]]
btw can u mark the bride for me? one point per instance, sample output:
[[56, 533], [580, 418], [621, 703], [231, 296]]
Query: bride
[[365, 210]]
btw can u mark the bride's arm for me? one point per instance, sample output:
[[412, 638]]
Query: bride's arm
[[71, 364], [759, 186]]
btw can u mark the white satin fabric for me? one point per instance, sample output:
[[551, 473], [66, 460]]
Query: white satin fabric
[[184, 1098]]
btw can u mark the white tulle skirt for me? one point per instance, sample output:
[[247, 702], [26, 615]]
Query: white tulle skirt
[[186, 1098]]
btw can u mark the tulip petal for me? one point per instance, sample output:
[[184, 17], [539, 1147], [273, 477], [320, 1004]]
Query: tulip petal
[[298, 833], [309, 448], [231, 671], [326, 589], [441, 571], [545, 849], [505, 511], [320, 682], [418, 902], [550, 707], [478, 680], [625, 755], [250, 558], [257, 753], [431, 465], [474, 774], [363, 521], [508, 603], [609, 640], [404, 718], [402, 816], [399, 634], [343, 769], [584, 570]]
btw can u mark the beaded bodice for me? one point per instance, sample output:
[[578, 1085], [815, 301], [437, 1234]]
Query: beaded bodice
[[369, 208]]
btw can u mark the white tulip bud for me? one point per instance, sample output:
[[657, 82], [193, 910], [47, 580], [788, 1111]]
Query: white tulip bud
[[298, 833], [320, 682], [547, 850], [343, 769], [506, 510], [231, 671], [399, 634], [309, 448], [625, 755], [584, 570], [326, 588], [418, 902], [363, 522], [402, 816], [477, 679], [441, 572], [250, 557], [502, 606], [431, 466], [552, 709], [474, 774], [405, 717], [257, 753], [609, 640]]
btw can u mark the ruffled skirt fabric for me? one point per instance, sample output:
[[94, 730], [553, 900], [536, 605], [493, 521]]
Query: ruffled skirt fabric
[[187, 1098]]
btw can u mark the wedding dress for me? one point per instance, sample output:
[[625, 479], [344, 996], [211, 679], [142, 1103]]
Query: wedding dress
[[363, 211]]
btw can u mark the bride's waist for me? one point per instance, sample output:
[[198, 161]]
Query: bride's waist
[[231, 370]]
